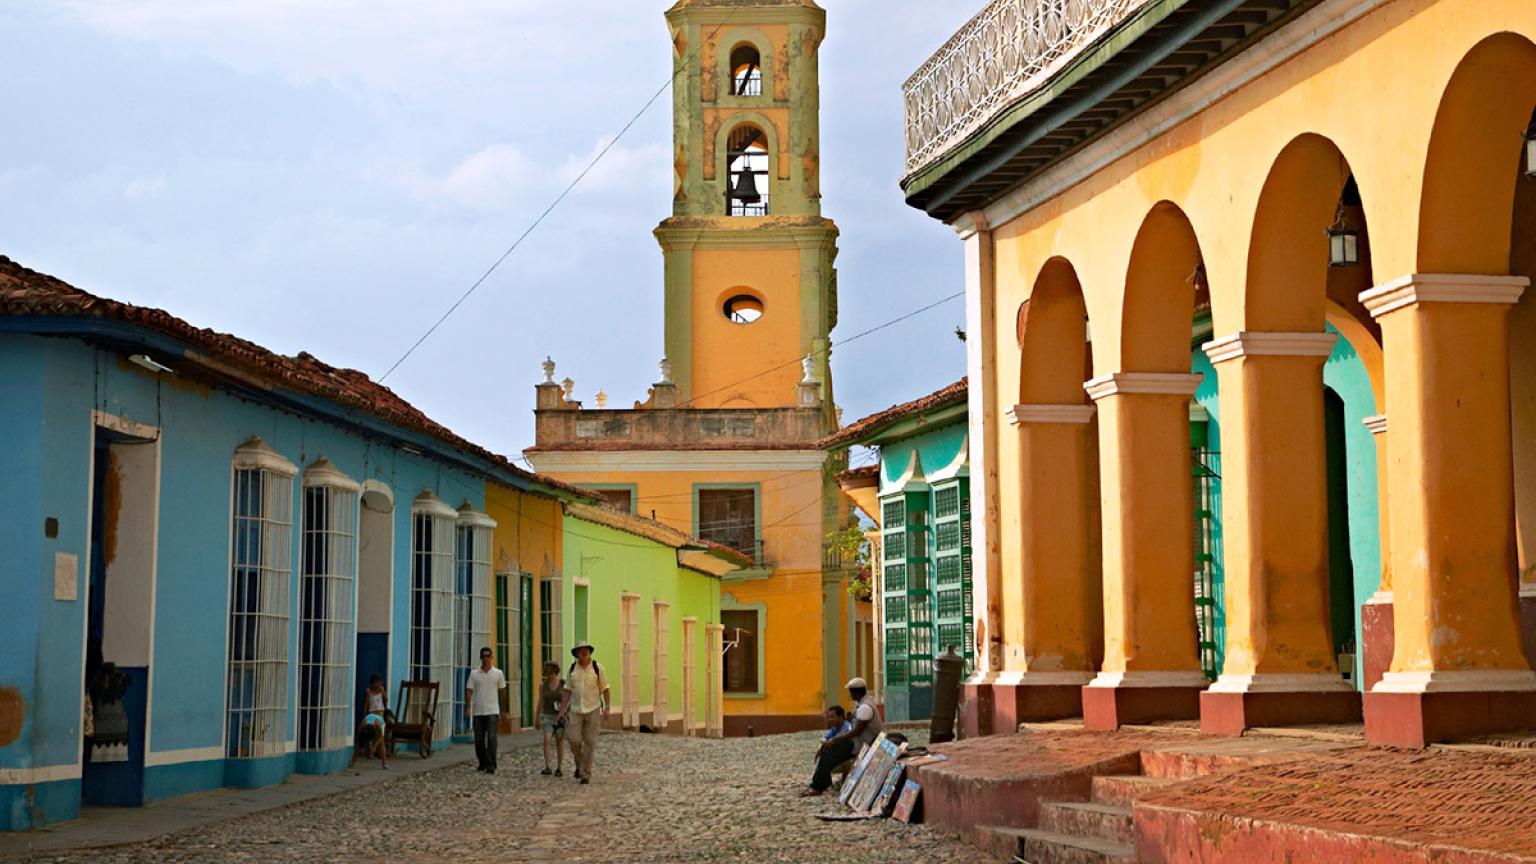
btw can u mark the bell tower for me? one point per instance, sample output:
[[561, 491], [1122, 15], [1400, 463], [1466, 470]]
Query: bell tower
[[750, 283]]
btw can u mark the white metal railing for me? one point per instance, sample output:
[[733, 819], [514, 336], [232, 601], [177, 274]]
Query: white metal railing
[[1008, 50]]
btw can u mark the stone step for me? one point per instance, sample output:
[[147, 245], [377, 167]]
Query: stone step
[[1123, 789], [1187, 765], [1048, 847], [1083, 819]]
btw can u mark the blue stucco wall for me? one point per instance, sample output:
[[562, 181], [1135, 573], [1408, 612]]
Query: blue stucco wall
[[48, 389]]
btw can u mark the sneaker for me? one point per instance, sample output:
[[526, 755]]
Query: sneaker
[[586, 780], [558, 773], [546, 772], [808, 792]]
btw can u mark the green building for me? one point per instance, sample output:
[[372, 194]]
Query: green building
[[648, 599], [918, 496]]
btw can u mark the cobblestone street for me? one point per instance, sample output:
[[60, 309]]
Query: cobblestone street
[[652, 799]]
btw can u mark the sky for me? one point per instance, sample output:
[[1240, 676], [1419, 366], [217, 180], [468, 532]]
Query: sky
[[330, 175]]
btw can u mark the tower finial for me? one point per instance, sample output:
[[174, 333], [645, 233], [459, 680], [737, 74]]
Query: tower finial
[[809, 365], [549, 370]]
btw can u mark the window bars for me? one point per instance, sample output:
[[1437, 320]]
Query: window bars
[[432, 556], [471, 603], [327, 607], [261, 533], [690, 673], [549, 614], [747, 182], [660, 681], [509, 651]]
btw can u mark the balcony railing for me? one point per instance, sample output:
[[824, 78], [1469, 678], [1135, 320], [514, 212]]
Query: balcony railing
[[1007, 51]]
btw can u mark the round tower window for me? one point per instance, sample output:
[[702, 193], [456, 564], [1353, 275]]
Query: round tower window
[[743, 309]]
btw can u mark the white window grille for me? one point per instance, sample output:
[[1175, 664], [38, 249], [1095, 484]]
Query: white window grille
[[509, 642], [471, 603], [690, 673], [432, 548], [550, 604], [660, 681], [326, 611], [714, 681], [261, 538], [629, 658]]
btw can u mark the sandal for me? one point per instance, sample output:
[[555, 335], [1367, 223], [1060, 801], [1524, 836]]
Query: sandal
[[546, 772], [808, 792], [558, 773]]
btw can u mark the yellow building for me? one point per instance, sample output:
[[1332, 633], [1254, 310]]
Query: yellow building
[[527, 580], [724, 447], [1320, 182]]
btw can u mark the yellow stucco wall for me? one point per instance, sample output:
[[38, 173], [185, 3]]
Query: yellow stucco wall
[[527, 539], [1255, 173], [733, 363], [791, 530]]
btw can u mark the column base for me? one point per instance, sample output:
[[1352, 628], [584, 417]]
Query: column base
[[1116, 699], [1414, 710], [1034, 697], [1377, 638], [1528, 622], [977, 708], [1235, 704]]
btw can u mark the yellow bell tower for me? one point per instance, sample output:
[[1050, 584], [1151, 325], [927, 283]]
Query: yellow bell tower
[[750, 284], [725, 444]]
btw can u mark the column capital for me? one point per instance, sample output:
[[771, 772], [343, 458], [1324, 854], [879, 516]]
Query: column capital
[[1143, 383], [1076, 415], [1260, 343], [1416, 288]]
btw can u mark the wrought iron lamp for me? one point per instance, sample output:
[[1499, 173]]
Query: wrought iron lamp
[[1343, 241]]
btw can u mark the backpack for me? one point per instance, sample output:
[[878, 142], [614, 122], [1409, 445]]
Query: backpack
[[572, 671]]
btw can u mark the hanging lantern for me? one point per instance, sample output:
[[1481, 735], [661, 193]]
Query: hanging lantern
[[1530, 149], [1343, 241]]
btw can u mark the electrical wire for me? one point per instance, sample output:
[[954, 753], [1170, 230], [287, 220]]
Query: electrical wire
[[672, 79]]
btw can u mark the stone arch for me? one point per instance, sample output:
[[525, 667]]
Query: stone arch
[[1474, 154], [1160, 287], [1054, 352], [727, 45], [1287, 275]]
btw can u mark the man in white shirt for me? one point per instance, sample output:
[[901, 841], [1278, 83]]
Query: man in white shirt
[[585, 707], [482, 701]]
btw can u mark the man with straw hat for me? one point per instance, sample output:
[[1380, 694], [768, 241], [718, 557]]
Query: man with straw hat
[[584, 706]]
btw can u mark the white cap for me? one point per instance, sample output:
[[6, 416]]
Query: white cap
[[858, 684]]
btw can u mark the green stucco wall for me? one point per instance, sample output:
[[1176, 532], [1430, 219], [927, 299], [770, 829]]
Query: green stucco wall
[[611, 563]]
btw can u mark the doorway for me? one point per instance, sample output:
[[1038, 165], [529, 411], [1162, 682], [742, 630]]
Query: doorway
[[1341, 570], [125, 491], [375, 590]]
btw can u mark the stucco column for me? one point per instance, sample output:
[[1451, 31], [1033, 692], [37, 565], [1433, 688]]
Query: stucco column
[[1059, 595], [1376, 612], [977, 706], [1458, 668], [1151, 667], [1280, 667]]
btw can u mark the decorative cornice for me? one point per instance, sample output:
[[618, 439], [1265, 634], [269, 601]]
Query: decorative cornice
[[1418, 288], [970, 224], [599, 461], [1254, 343], [1143, 383], [1076, 415], [1377, 423]]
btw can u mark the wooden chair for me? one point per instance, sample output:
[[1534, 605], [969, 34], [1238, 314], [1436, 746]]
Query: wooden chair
[[413, 718]]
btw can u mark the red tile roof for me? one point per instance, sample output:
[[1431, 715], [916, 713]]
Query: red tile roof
[[864, 475], [25, 292], [954, 394]]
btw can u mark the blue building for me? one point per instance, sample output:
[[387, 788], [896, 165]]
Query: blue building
[[209, 548]]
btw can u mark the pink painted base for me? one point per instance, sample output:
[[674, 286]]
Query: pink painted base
[[977, 710], [1106, 709], [1376, 640], [1028, 703], [1415, 720], [1234, 713]]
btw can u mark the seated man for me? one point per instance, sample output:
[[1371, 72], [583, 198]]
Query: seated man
[[834, 751]]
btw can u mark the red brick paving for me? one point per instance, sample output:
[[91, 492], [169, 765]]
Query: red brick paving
[[1471, 799]]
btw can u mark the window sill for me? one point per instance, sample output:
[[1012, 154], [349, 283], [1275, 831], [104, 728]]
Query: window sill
[[748, 574], [745, 696]]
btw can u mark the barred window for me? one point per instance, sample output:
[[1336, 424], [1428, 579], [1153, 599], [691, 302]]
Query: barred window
[[549, 619], [949, 569], [894, 513], [432, 553], [946, 502], [326, 611], [261, 537], [948, 536], [471, 602]]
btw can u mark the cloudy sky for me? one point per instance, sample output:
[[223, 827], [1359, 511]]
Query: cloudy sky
[[329, 175]]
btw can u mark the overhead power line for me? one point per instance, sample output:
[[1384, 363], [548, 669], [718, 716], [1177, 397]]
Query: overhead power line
[[682, 67]]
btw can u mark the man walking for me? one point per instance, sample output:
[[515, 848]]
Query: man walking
[[584, 707], [482, 702]]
